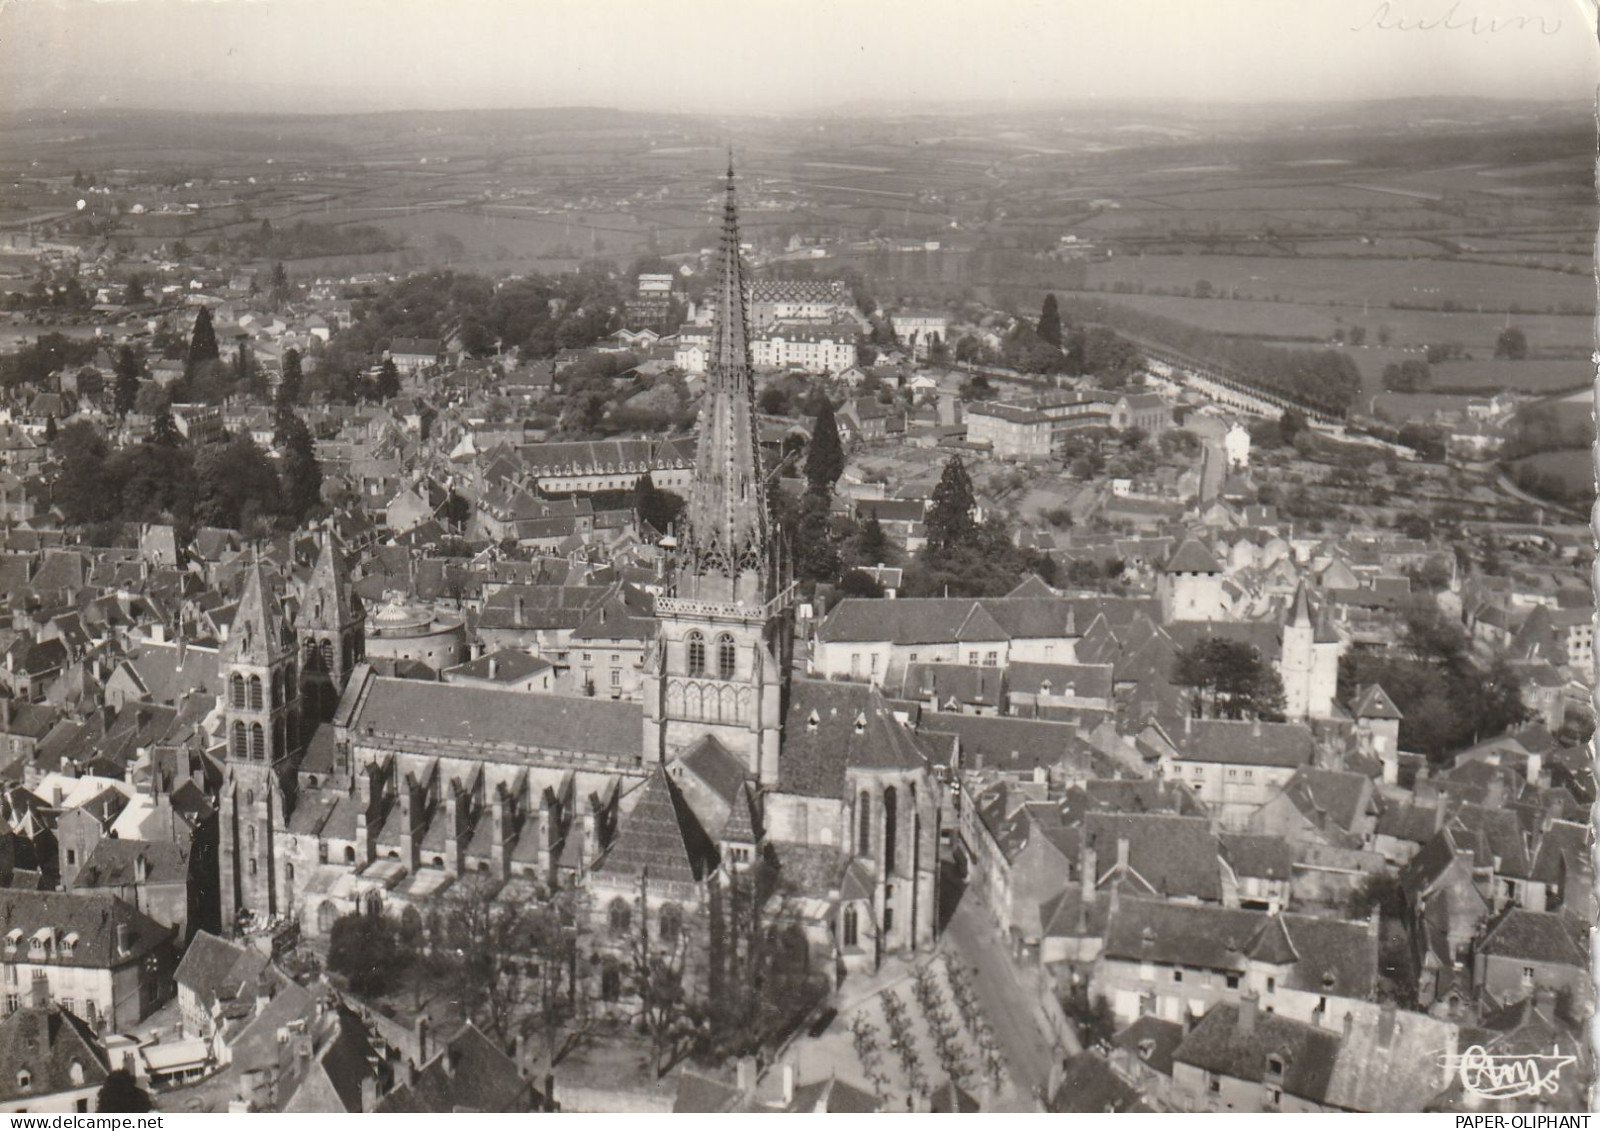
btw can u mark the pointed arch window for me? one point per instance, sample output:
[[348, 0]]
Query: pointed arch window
[[621, 916], [258, 742], [852, 925], [671, 923], [236, 686], [239, 740], [727, 656], [255, 693], [697, 654], [889, 821], [327, 655], [864, 824]]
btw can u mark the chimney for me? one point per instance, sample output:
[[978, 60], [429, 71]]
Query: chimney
[[745, 1075], [263, 993], [518, 608], [1255, 726], [494, 667], [1249, 1003], [122, 939], [449, 1061], [1122, 853], [1089, 866], [1188, 1021], [1438, 814], [788, 1084], [1387, 1018], [369, 1094]]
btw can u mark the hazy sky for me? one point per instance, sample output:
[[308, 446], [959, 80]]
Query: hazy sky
[[780, 55]]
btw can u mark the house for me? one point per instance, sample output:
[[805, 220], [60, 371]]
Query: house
[[100, 958], [415, 355], [1245, 1058], [1521, 953], [1011, 432], [467, 1072], [1236, 766], [50, 1059], [1171, 958]]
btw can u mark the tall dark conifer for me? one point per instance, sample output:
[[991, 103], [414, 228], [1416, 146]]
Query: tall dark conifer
[[203, 340], [1050, 321], [825, 454]]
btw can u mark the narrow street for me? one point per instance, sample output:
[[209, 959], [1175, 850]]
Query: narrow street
[[1010, 1008]]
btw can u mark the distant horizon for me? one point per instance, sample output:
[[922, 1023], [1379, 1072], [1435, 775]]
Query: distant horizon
[[843, 109], [770, 58]]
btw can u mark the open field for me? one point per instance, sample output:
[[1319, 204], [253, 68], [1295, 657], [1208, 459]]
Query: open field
[[1354, 282]]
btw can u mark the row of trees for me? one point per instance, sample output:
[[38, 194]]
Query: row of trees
[[1324, 379]]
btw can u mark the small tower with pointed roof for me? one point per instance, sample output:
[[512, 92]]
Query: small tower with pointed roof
[[1190, 585], [331, 630], [1297, 656], [720, 661], [1308, 661], [261, 730]]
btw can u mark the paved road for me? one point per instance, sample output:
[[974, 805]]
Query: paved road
[[1009, 1008]]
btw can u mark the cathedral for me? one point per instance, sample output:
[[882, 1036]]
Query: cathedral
[[348, 790]]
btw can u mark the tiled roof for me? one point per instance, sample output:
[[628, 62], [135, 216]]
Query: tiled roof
[[832, 727], [660, 836], [1090, 1085], [1192, 557], [1173, 856], [492, 716], [1261, 857], [93, 916], [1374, 703], [1535, 936], [1251, 743], [46, 1044], [1221, 1044]]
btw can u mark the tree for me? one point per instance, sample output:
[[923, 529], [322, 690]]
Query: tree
[[300, 473], [662, 509], [80, 486], [1512, 344], [50, 428], [1291, 424], [1413, 375], [388, 386], [872, 544], [125, 393], [164, 431], [950, 521], [203, 340], [824, 454], [133, 291], [280, 283], [364, 949], [859, 583], [1229, 680], [120, 1093], [236, 486], [290, 384], [1050, 321]]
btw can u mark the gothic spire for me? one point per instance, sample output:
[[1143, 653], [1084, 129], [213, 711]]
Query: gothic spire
[[727, 540], [256, 635], [327, 602]]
